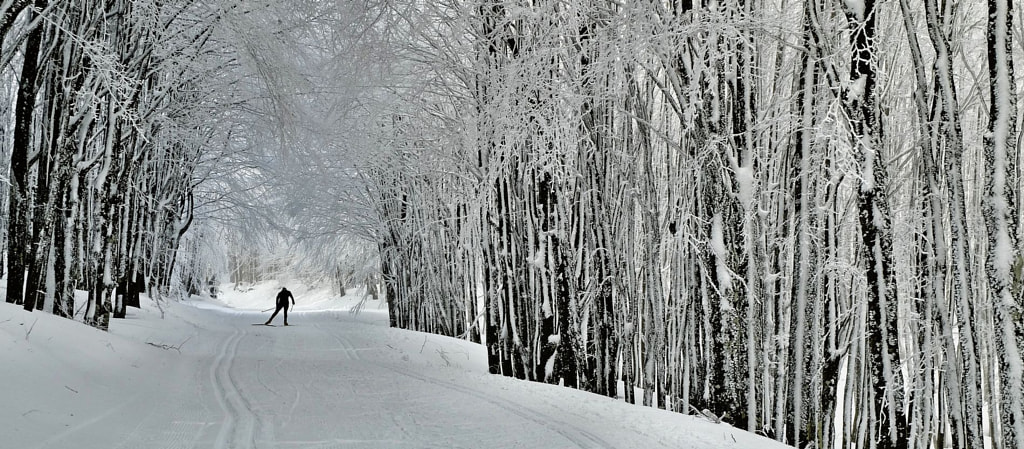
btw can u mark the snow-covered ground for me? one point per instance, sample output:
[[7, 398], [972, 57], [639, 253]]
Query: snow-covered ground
[[206, 377]]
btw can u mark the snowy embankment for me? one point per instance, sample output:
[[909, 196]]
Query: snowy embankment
[[205, 377]]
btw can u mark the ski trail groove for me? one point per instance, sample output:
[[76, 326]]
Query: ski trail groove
[[582, 439], [238, 429]]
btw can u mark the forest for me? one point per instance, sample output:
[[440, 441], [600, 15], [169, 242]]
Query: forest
[[801, 217]]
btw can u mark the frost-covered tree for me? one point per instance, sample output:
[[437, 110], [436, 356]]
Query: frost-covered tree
[[1000, 203], [781, 234]]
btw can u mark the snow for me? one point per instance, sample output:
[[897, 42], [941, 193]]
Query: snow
[[867, 173], [745, 181], [858, 86], [856, 7], [538, 259], [1004, 255], [717, 240], [205, 377], [721, 252]]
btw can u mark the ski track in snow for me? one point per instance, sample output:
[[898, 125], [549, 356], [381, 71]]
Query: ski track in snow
[[336, 380], [58, 438], [238, 429], [579, 437]]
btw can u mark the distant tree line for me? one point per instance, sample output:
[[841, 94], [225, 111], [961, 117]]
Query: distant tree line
[[800, 216]]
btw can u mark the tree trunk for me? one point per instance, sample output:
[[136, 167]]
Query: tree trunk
[[883, 362], [1001, 155], [19, 245]]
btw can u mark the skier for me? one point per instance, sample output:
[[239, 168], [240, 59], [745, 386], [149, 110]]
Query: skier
[[282, 303]]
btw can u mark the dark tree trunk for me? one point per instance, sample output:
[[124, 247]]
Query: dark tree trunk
[[19, 247], [388, 277], [876, 240], [43, 209], [1001, 155]]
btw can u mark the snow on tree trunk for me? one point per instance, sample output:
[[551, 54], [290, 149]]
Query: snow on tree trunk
[[881, 326], [1000, 219]]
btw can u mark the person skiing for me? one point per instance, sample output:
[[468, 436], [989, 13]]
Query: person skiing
[[282, 303]]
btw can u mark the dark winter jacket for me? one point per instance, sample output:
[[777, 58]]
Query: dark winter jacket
[[283, 296]]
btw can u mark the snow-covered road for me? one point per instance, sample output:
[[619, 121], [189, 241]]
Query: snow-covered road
[[331, 380]]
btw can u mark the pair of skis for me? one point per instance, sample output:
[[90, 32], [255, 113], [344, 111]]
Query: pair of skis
[[267, 324]]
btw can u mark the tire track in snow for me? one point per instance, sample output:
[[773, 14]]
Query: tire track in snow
[[579, 437], [239, 427]]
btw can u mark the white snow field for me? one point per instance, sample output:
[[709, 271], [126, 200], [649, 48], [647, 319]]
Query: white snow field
[[205, 377]]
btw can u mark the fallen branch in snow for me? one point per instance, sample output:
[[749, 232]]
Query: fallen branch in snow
[[706, 414], [71, 389], [163, 346], [444, 356], [33, 326], [169, 347]]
